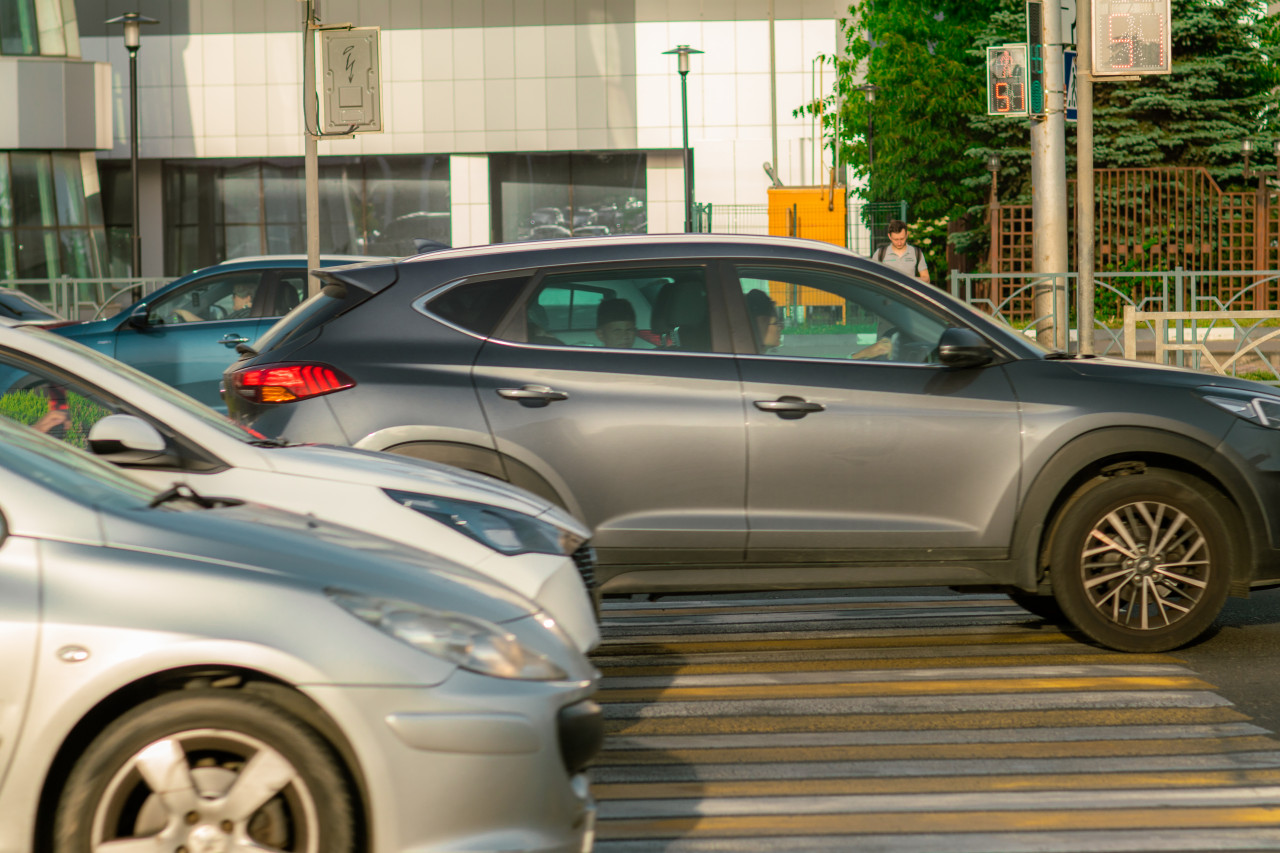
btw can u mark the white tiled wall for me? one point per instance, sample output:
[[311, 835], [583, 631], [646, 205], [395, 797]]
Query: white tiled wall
[[474, 90]]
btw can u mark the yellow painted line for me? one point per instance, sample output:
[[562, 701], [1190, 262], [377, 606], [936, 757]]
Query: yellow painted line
[[938, 751], [755, 644], [900, 688], [781, 606], [914, 823], [871, 664], [940, 721], [933, 785]]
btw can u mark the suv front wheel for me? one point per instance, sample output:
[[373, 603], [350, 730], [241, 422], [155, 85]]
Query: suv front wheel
[[1140, 562]]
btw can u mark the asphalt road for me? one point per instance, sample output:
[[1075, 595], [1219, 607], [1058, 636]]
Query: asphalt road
[[1241, 655]]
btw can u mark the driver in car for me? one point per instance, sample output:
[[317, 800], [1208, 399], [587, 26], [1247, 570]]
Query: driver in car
[[241, 304]]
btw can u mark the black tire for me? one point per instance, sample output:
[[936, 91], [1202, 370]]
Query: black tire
[[1142, 562], [210, 742], [1044, 606]]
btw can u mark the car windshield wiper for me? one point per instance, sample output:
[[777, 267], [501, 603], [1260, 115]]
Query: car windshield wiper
[[183, 492], [269, 442]]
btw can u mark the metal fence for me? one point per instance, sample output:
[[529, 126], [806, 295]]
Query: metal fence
[[1236, 330], [866, 223], [86, 298]]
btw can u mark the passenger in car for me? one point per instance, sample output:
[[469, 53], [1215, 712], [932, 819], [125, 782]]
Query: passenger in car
[[616, 324], [766, 323]]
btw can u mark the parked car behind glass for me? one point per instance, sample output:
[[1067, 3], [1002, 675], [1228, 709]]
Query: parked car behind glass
[[889, 436], [163, 437], [182, 673], [186, 333]]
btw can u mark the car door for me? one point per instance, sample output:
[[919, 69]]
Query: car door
[[190, 333], [861, 447], [19, 628], [644, 436]]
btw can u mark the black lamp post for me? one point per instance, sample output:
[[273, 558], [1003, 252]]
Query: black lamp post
[[869, 90], [683, 51], [132, 41]]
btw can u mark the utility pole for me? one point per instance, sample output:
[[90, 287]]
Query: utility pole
[[311, 143], [1084, 178], [1049, 177]]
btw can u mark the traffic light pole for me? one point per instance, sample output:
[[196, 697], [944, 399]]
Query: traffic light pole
[[1084, 178], [1050, 253]]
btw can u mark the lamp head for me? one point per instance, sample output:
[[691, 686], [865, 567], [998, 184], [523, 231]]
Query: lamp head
[[993, 163], [1246, 147], [132, 30], [683, 51]]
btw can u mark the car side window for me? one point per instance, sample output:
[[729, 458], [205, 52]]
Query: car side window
[[50, 403], [810, 313], [477, 306], [289, 293], [229, 296], [634, 309]]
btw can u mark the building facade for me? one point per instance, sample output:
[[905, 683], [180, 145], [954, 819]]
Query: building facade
[[502, 120]]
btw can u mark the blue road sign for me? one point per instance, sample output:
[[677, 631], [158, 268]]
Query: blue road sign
[[1069, 75]]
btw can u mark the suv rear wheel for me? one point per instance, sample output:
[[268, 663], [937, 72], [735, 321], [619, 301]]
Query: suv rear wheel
[[1141, 562]]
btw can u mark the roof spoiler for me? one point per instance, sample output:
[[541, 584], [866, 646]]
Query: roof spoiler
[[371, 278]]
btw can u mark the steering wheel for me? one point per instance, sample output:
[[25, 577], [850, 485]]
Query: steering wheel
[[215, 312]]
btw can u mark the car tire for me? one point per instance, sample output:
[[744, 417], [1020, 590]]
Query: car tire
[[1141, 562], [287, 789], [1044, 606]]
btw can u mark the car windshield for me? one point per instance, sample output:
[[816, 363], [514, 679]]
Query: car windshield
[[154, 386], [20, 306], [68, 471]]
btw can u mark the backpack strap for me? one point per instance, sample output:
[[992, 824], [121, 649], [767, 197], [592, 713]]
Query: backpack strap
[[879, 258]]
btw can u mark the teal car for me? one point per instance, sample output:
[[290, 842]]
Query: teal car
[[186, 333]]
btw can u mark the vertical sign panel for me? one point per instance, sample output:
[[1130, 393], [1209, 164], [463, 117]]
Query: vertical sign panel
[[1035, 58], [1007, 80], [1131, 37], [352, 80]]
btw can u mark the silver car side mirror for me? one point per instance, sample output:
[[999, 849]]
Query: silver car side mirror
[[127, 439]]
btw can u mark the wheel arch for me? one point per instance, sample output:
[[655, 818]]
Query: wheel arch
[[119, 702], [1117, 451]]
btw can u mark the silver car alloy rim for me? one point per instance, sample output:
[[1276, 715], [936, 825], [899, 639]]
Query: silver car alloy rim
[[1145, 565], [207, 791]]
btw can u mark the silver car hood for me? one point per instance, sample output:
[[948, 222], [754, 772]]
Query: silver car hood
[[389, 471], [292, 548]]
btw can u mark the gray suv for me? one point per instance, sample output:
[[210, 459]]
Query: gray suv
[[735, 413]]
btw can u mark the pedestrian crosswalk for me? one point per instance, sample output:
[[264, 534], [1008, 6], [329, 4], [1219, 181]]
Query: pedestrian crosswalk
[[913, 722]]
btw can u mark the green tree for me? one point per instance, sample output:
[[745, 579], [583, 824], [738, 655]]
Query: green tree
[[931, 134]]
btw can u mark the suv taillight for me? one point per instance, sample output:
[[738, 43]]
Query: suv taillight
[[285, 383]]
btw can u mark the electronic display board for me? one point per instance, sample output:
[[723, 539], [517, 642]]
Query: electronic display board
[[1131, 37], [1007, 80]]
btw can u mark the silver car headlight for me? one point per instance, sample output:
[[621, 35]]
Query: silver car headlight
[[503, 530], [1260, 409], [467, 641]]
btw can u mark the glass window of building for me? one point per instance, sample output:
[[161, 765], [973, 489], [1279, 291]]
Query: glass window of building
[[536, 196], [39, 28], [220, 209], [50, 217]]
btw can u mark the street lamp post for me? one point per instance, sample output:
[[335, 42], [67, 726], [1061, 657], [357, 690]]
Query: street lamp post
[[683, 51], [993, 212], [132, 41], [869, 90]]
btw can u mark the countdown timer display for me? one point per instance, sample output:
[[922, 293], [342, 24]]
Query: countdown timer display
[[1007, 80], [1131, 37]]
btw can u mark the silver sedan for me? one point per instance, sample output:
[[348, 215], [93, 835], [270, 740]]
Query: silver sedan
[[183, 673]]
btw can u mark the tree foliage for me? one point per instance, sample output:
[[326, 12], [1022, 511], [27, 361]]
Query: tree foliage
[[931, 133]]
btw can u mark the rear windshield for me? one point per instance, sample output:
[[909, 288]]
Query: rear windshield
[[319, 309]]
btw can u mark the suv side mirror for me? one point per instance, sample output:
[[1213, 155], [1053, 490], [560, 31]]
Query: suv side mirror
[[126, 439], [138, 317], [959, 347]]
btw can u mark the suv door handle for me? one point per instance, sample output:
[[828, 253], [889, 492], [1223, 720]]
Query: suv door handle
[[232, 339], [532, 395], [789, 407]]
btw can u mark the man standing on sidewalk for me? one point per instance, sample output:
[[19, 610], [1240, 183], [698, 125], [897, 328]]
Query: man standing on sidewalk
[[905, 258]]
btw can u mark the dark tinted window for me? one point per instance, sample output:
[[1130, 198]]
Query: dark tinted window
[[479, 305]]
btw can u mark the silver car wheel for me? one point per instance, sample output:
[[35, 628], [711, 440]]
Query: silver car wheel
[[1145, 565], [204, 770], [208, 789]]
